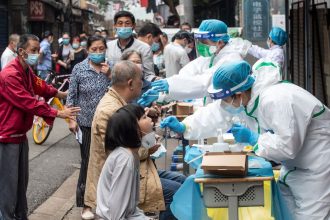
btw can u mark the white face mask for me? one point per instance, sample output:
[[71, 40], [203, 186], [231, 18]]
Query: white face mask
[[149, 140], [188, 49], [159, 153]]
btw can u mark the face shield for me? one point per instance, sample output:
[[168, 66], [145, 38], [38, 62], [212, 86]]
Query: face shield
[[224, 93], [206, 43]]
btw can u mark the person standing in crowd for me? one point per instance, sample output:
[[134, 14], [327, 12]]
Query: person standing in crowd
[[83, 42], [88, 83], [175, 53], [45, 55], [18, 105], [118, 187], [159, 63], [133, 56], [79, 53], [63, 55], [83, 35], [276, 39], [105, 35], [126, 86], [150, 34], [185, 26], [124, 26], [97, 32], [11, 51], [192, 51], [164, 39]]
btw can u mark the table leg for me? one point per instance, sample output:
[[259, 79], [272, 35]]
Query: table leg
[[185, 165], [233, 207]]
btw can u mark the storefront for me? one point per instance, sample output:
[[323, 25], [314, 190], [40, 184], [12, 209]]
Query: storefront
[[3, 25]]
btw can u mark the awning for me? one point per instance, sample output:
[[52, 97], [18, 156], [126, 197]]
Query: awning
[[57, 5]]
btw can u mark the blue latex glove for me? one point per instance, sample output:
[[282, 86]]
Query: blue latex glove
[[148, 97], [244, 135], [173, 123], [160, 85]]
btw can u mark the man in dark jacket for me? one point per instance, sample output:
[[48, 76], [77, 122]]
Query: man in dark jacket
[[18, 105]]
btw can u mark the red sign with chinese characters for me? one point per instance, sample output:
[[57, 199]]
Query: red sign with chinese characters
[[36, 10]]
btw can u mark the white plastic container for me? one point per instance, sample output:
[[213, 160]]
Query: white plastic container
[[236, 148], [220, 147]]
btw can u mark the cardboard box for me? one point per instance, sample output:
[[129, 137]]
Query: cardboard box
[[182, 110], [226, 164]]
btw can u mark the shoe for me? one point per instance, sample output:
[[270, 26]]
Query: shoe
[[87, 214]]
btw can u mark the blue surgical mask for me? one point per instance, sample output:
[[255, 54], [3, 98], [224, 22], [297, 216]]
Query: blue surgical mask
[[231, 109], [83, 43], [75, 46], [97, 57], [32, 59], [66, 41], [155, 47], [124, 32]]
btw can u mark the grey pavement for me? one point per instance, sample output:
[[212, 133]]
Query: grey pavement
[[50, 164], [60, 131]]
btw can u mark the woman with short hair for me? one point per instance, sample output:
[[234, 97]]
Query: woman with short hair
[[88, 83]]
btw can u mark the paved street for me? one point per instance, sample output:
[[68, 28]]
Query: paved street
[[51, 163]]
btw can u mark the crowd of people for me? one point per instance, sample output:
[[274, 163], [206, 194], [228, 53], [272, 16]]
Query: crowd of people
[[114, 84]]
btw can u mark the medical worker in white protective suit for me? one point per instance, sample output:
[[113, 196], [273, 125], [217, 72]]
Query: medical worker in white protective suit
[[215, 48], [276, 39], [292, 127], [206, 121]]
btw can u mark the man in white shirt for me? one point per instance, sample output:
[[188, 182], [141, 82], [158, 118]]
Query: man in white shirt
[[10, 52], [176, 53], [124, 26]]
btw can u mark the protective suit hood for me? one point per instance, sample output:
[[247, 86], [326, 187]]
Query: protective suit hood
[[266, 73]]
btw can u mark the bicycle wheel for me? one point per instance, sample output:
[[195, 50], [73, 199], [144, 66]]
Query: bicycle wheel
[[40, 130]]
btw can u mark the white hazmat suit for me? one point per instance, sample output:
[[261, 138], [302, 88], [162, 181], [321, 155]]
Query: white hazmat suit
[[294, 129], [275, 53], [194, 78]]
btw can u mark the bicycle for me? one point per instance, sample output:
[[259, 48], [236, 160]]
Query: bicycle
[[40, 129]]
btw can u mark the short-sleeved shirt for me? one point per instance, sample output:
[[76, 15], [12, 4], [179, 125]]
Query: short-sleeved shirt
[[46, 62], [7, 56], [175, 57], [86, 89]]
